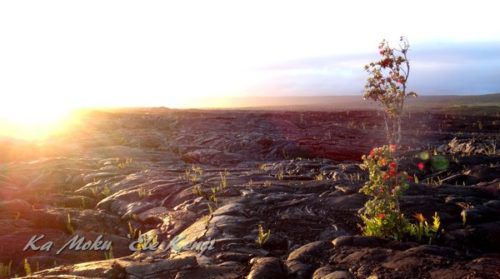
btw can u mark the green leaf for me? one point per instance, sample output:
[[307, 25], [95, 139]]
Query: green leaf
[[439, 162], [424, 155]]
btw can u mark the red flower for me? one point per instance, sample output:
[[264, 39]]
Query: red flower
[[372, 152], [386, 63], [392, 172], [381, 215], [393, 165], [421, 166], [386, 176]]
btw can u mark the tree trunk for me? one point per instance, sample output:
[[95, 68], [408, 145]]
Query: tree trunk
[[392, 128], [387, 130], [398, 133]]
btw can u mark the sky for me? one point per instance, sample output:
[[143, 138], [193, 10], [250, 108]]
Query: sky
[[56, 55]]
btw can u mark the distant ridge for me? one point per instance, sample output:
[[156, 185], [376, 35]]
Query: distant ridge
[[351, 102]]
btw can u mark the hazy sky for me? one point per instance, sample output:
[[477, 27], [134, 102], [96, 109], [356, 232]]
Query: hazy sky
[[105, 53]]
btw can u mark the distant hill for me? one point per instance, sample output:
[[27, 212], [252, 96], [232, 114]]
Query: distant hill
[[355, 102]]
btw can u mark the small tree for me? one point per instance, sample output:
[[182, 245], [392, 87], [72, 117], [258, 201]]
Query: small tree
[[387, 83], [382, 215]]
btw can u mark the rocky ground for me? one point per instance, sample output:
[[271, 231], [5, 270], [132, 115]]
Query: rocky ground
[[297, 174]]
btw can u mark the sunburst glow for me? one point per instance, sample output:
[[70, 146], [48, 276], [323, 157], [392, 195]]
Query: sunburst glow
[[33, 122]]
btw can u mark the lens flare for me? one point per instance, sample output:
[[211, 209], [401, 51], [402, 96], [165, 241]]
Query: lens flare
[[32, 122]]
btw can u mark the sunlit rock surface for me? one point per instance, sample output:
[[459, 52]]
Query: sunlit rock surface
[[295, 173]]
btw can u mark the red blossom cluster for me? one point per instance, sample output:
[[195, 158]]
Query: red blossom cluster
[[377, 155], [421, 166], [387, 84], [388, 75], [385, 185], [378, 151]]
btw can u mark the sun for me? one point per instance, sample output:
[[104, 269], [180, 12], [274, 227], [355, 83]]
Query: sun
[[31, 122]]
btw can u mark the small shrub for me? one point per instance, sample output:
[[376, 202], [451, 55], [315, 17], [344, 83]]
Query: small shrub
[[263, 168], [143, 240], [463, 214], [193, 174], [124, 163], [280, 175], [94, 191], [5, 270], [211, 197], [109, 254], [106, 191], [27, 267], [423, 229], [263, 236], [223, 179], [198, 191], [69, 226], [319, 177], [415, 178], [382, 216], [142, 192], [491, 149], [83, 204], [133, 233]]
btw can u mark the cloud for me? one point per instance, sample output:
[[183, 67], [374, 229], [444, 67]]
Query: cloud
[[445, 68]]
